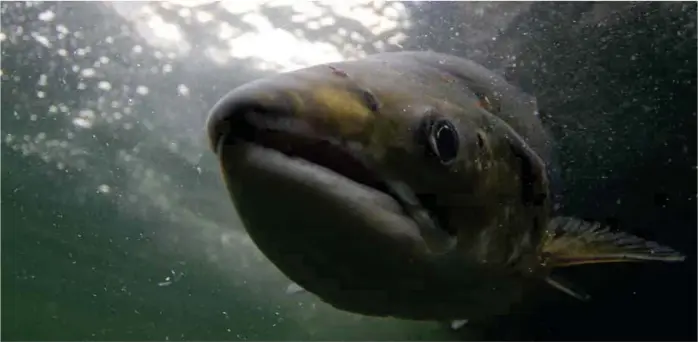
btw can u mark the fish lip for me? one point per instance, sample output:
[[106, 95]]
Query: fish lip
[[239, 117], [219, 144], [328, 153]]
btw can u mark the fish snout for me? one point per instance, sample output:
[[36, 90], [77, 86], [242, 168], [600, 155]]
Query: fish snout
[[241, 114]]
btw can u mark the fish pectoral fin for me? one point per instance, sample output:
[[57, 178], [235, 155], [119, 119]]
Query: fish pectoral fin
[[572, 242], [567, 288]]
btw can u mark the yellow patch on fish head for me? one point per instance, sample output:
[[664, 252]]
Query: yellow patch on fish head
[[354, 114], [339, 111]]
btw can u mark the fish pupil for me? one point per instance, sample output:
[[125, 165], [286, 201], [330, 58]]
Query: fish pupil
[[444, 141]]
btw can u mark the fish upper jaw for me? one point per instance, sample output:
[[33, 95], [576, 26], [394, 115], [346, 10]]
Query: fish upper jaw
[[233, 116]]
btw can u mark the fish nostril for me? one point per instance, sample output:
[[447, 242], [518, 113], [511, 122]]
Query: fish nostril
[[244, 112], [229, 119], [237, 126]]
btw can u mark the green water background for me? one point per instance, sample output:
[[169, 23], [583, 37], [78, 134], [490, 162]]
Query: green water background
[[121, 231]]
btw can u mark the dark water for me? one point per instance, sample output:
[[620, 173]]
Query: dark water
[[115, 226]]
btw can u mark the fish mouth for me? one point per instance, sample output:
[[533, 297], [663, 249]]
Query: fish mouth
[[294, 139], [276, 127]]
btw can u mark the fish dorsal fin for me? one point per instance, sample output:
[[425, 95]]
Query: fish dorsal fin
[[572, 241]]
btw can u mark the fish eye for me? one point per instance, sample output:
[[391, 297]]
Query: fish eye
[[443, 140]]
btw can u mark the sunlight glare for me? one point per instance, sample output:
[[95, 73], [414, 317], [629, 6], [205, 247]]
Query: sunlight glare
[[274, 44]]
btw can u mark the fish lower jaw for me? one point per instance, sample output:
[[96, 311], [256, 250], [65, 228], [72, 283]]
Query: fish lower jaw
[[245, 160], [403, 200]]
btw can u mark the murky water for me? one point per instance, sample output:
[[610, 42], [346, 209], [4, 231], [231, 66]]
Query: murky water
[[115, 225]]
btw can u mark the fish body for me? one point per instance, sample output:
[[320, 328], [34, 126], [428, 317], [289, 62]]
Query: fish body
[[409, 184]]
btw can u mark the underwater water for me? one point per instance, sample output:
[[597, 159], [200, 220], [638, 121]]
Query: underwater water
[[116, 226]]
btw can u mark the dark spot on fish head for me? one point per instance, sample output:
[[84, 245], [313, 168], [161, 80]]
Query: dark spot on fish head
[[371, 100], [338, 72], [489, 102], [481, 140], [368, 98]]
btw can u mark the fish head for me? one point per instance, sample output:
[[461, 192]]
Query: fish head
[[356, 174]]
